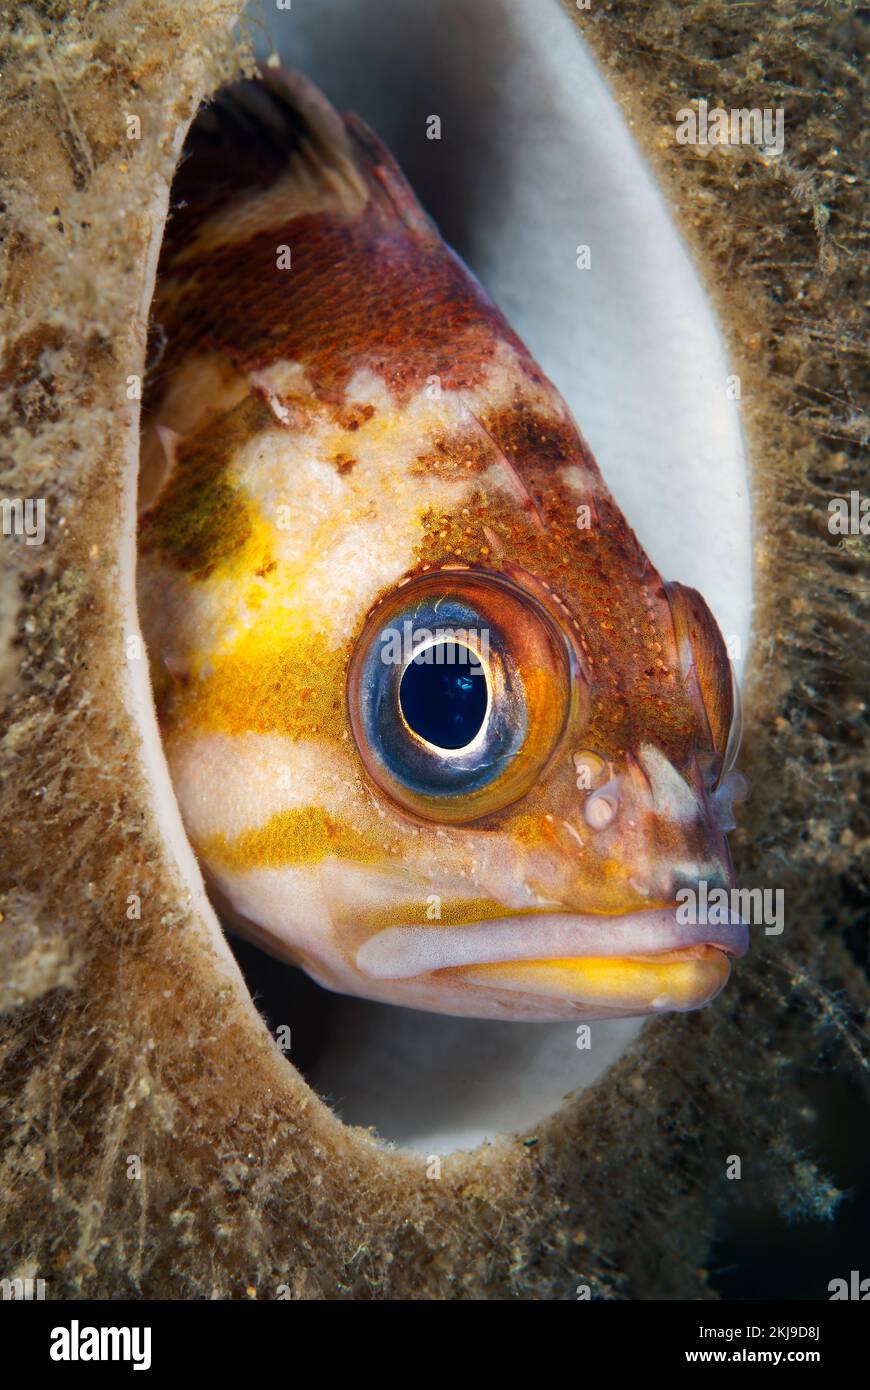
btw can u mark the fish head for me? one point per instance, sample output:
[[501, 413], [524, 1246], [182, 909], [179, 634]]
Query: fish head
[[438, 730], [565, 741], [475, 783]]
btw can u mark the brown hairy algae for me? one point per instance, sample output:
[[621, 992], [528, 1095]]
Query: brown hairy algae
[[129, 1036]]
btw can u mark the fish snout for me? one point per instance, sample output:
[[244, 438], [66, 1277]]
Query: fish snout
[[645, 832]]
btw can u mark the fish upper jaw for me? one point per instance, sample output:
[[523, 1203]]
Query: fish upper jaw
[[402, 952], [561, 964]]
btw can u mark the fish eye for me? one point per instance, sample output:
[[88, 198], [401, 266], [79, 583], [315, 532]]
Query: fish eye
[[459, 690], [444, 695]]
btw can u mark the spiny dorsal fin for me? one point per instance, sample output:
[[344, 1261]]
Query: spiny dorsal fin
[[385, 179], [272, 148]]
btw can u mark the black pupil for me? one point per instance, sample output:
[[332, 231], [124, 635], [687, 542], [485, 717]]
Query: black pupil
[[443, 695]]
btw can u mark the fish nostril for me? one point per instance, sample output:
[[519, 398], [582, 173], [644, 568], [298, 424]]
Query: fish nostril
[[590, 770], [600, 809]]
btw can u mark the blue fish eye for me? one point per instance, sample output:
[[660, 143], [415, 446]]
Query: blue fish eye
[[443, 695], [458, 690]]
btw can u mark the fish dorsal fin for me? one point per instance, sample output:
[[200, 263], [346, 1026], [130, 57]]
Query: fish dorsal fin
[[385, 179], [277, 139]]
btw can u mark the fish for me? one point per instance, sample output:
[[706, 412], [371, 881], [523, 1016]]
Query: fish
[[439, 732]]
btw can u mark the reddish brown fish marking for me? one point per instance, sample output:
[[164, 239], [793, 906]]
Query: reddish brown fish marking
[[351, 417], [359, 295]]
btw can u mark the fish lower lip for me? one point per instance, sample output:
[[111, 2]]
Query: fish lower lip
[[398, 953]]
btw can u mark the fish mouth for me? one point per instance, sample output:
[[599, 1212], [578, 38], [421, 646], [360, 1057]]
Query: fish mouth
[[638, 961]]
